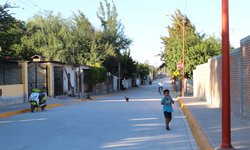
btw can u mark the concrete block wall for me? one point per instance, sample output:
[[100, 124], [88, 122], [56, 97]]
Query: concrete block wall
[[235, 81], [207, 80], [200, 81], [215, 81], [245, 47]]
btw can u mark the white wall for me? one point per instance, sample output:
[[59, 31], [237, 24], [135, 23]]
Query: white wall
[[70, 70], [115, 78]]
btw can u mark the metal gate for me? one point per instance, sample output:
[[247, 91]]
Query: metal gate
[[58, 80], [37, 76]]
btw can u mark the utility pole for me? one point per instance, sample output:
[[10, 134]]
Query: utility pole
[[183, 58], [119, 75], [226, 112]]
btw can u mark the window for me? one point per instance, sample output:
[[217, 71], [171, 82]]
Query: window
[[9, 73]]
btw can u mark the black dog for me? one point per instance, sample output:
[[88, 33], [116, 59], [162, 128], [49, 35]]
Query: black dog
[[127, 98]]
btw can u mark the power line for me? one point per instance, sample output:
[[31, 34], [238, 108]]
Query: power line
[[233, 29], [40, 10], [185, 7], [218, 27], [35, 5], [22, 8], [30, 6]]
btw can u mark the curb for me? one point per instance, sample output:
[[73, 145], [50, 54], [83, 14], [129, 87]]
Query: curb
[[197, 131], [17, 112], [100, 96]]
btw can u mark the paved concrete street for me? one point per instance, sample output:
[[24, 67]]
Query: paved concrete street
[[105, 123]]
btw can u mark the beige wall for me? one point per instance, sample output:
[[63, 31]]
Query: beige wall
[[50, 79], [24, 65], [12, 90], [11, 94], [208, 80], [215, 81], [16, 93], [201, 81]]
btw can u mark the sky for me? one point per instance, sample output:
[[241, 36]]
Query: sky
[[145, 21]]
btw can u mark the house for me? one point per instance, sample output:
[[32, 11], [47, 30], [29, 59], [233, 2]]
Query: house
[[56, 78], [17, 78], [13, 82]]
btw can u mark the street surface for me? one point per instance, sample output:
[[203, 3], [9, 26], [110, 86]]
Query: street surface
[[105, 123]]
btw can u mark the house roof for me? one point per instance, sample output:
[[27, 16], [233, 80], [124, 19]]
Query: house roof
[[8, 63], [61, 63]]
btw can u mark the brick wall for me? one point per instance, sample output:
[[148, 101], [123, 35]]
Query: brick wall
[[207, 80], [235, 82], [245, 46]]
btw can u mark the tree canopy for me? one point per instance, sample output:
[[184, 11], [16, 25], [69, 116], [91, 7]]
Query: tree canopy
[[198, 47], [113, 34], [11, 30], [128, 65], [72, 40]]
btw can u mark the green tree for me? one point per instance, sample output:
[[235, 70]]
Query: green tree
[[95, 75], [113, 33], [11, 31], [198, 48], [128, 65], [44, 36], [90, 43], [82, 32], [143, 70], [72, 40]]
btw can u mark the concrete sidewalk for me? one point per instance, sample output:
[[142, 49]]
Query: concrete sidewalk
[[205, 122]]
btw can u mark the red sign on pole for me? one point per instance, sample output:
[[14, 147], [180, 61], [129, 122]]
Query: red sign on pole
[[179, 65]]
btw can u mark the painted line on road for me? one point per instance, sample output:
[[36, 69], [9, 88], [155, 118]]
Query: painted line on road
[[197, 131], [24, 120], [179, 117], [143, 119], [39, 119]]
